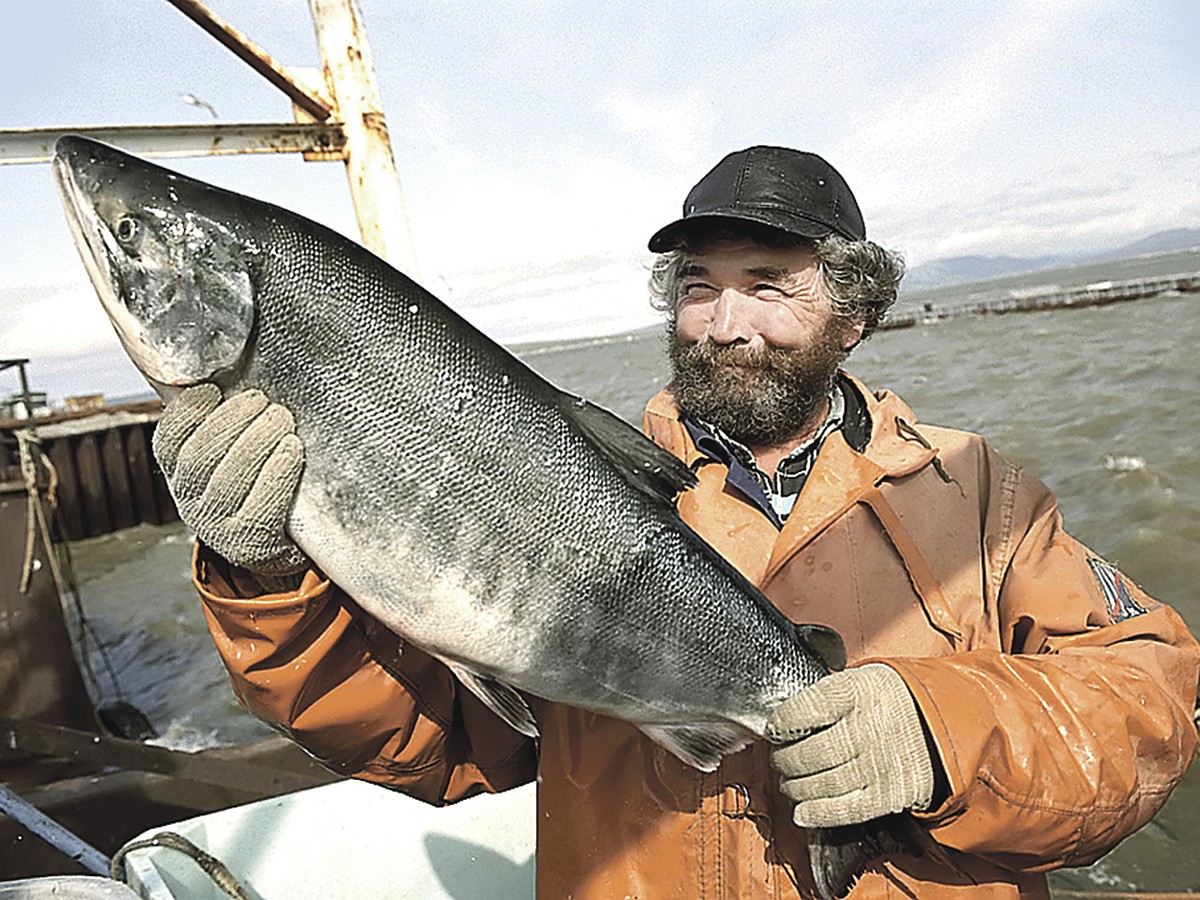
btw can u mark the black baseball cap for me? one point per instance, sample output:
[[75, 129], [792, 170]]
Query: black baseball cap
[[790, 190]]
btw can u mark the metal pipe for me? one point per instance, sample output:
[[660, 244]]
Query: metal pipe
[[257, 58], [370, 165], [26, 398], [36, 145], [76, 848]]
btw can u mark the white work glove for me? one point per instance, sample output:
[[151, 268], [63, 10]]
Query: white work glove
[[851, 748], [233, 468]]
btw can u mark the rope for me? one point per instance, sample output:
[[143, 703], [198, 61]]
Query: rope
[[29, 474], [65, 583], [26, 441], [210, 865]]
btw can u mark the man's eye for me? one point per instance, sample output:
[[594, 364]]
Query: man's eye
[[696, 290], [770, 290]]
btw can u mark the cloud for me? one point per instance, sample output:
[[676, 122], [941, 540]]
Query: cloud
[[568, 204], [54, 322], [676, 129], [70, 345], [543, 135], [1066, 208], [954, 104], [588, 296]]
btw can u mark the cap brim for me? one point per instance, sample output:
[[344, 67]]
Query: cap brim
[[670, 236]]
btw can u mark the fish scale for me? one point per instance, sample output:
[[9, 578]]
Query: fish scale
[[525, 537]]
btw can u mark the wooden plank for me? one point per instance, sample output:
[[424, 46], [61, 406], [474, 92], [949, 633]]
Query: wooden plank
[[116, 478], [164, 502], [222, 768], [92, 491], [141, 474], [70, 509], [39, 677]]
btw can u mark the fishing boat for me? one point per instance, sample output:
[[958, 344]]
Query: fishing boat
[[88, 767], [93, 809], [88, 470]]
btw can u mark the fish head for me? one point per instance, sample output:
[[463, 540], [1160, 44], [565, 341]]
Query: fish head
[[166, 257]]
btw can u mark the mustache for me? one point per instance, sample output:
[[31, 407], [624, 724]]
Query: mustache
[[715, 356], [755, 394]]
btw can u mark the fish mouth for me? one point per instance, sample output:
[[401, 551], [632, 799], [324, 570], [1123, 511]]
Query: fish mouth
[[89, 232], [98, 249]]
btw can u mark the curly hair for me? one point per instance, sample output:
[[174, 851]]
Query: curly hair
[[860, 277]]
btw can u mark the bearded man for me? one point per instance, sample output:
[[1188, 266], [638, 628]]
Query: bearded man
[[1009, 691]]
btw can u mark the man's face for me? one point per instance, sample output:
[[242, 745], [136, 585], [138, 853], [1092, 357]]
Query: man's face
[[756, 343]]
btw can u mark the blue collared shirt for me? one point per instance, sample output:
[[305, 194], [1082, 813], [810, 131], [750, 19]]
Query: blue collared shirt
[[775, 494]]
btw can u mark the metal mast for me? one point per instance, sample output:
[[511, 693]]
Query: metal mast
[[370, 163], [338, 116]]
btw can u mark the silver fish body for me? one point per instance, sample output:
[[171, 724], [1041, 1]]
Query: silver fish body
[[522, 535]]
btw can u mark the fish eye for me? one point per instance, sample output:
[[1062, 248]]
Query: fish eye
[[127, 229]]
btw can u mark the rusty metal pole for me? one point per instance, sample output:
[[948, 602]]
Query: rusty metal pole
[[26, 396], [370, 165], [66, 842]]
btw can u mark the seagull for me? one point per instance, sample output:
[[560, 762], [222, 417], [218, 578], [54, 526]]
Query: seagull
[[196, 101]]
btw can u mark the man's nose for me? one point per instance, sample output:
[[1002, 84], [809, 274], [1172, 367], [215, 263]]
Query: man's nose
[[730, 321]]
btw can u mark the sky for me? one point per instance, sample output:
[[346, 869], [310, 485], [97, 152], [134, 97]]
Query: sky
[[540, 143]]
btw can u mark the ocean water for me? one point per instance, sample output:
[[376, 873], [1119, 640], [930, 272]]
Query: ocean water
[[1099, 403]]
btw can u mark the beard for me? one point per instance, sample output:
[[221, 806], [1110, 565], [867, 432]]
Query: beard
[[769, 395]]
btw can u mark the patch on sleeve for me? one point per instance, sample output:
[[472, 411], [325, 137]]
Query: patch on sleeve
[[1121, 605]]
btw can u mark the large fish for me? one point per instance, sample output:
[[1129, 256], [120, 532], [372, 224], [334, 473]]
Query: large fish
[[525, 537]]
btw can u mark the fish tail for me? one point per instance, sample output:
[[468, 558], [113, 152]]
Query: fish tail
[[839, 856]]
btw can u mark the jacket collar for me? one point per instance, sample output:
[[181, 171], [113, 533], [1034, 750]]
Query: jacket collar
[[872, 429], [877, 442]]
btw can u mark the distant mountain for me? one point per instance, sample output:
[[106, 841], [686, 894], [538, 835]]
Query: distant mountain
[[1161, 242], [962, 269]]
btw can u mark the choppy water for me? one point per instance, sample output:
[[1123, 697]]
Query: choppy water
[[1100, 403]]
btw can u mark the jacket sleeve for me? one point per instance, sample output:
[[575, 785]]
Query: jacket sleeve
[[1071, 736], [316, 667]]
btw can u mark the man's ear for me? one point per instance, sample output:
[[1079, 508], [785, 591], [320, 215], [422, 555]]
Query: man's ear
[[852, 335]]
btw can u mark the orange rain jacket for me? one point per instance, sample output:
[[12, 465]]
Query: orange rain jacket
[[1063, 717]]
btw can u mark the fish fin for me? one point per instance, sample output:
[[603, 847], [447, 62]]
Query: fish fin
[[499, 697], [840, 856], [701, 746], [825, 642], [644, 464]]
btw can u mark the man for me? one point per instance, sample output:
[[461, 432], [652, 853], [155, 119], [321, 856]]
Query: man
[[1012, 690]]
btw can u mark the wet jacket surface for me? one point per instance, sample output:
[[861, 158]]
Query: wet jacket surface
[[1059, 696]]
